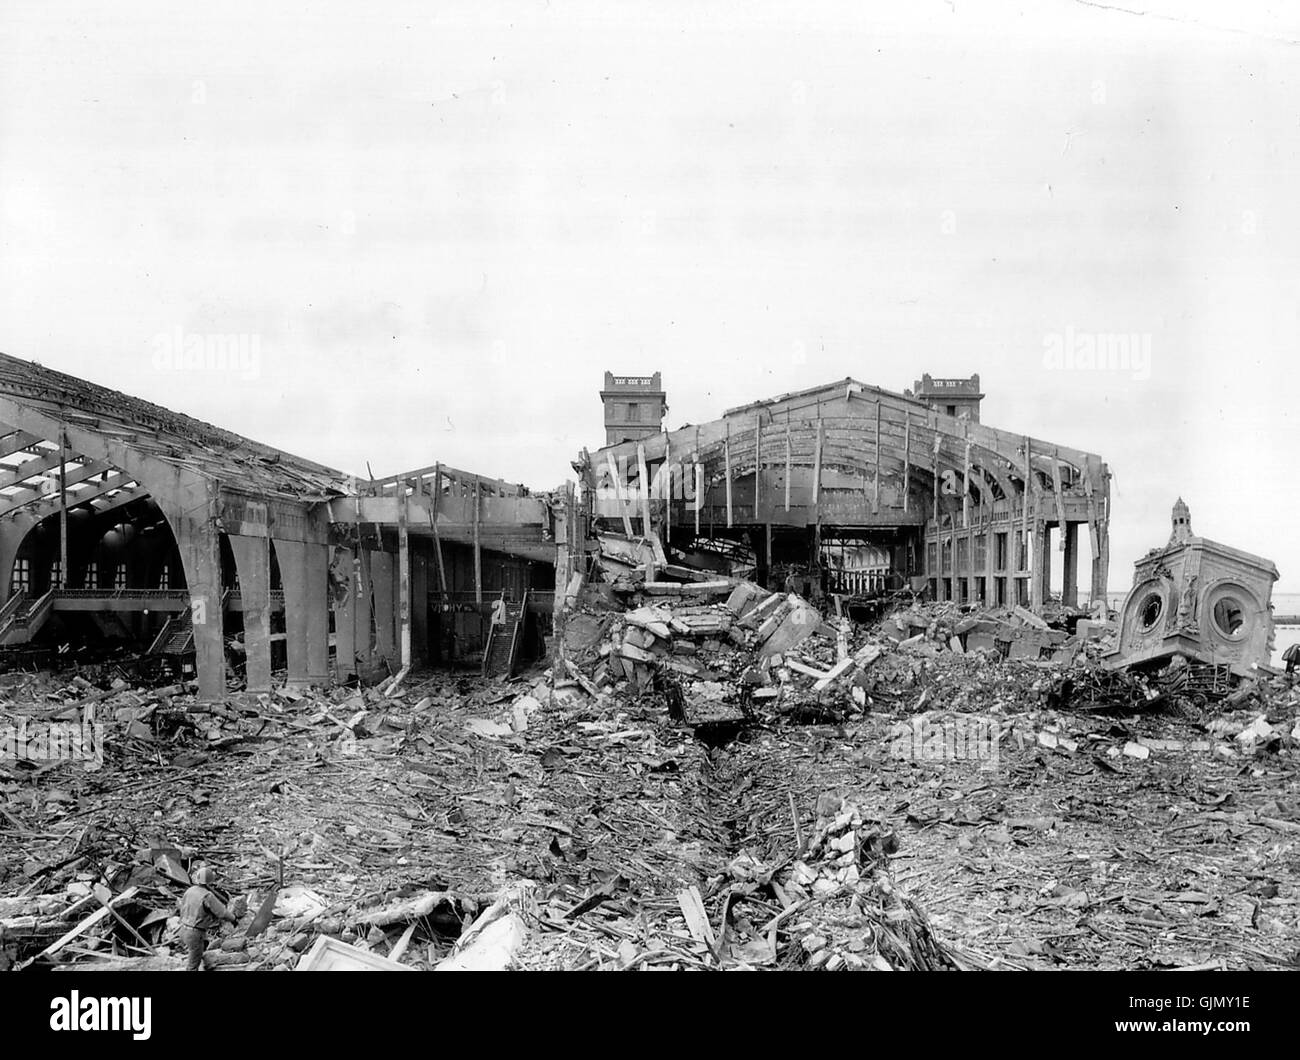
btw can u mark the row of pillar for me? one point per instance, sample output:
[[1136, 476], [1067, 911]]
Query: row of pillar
[[365, 610], [1040, 579]]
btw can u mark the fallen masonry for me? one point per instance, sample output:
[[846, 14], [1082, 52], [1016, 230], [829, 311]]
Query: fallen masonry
[[725, 777]]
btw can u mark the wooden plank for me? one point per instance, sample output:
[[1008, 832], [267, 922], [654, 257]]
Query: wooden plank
[[437, 538], [808, 671], [758, 469], [98, 915], [399, 948], [403, 589], [697, 920], [836, 672]]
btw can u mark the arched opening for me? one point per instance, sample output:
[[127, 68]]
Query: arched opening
[[1149, 612], [124, 583], [1229, 617]]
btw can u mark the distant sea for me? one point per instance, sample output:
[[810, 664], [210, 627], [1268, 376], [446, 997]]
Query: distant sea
[[1283, 636]]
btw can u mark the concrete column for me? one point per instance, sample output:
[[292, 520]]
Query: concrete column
[[345, 616], [293, 575], [1101, 564], [318, 613], [382, 579], [1033, 560], [192, 516], [990, 557], [253, 561], [1043, 565], [303, 569], [1070, 578]]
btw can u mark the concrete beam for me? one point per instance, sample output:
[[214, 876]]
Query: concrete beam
[[81, 474]]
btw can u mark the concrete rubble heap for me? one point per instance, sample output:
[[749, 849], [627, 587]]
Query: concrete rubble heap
[[660, 797]]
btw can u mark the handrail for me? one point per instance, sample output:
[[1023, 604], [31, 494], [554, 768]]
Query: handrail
[[38, 606], [12, 604], [121, 594], [163, 633]]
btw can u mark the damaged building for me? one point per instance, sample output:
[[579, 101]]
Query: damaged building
[[721, 754], [208, 552], [849, 487], [1199, 600], [121, 521]]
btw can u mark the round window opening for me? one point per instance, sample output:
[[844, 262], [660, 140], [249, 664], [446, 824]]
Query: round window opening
[[1149, 612], [1229, 616]]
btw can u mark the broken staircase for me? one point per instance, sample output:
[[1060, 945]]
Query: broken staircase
[[501, 653]]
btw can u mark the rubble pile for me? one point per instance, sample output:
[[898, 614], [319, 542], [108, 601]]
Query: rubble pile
[[709, 775], [739, 651]]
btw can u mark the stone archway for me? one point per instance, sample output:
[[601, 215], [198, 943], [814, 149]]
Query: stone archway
[[188, 502]]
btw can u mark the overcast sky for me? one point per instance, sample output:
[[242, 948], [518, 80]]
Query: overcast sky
[[437, 224]]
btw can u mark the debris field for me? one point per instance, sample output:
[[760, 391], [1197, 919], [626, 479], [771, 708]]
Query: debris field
[[706, 775]]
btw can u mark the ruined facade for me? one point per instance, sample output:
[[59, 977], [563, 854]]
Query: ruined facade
[[966, 510], [1199, 599], [124, 520]]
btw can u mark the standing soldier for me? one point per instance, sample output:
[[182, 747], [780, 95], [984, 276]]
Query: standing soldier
[[201, 911]]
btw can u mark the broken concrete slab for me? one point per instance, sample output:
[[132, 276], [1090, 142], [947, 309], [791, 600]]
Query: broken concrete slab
[[709, 588]]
